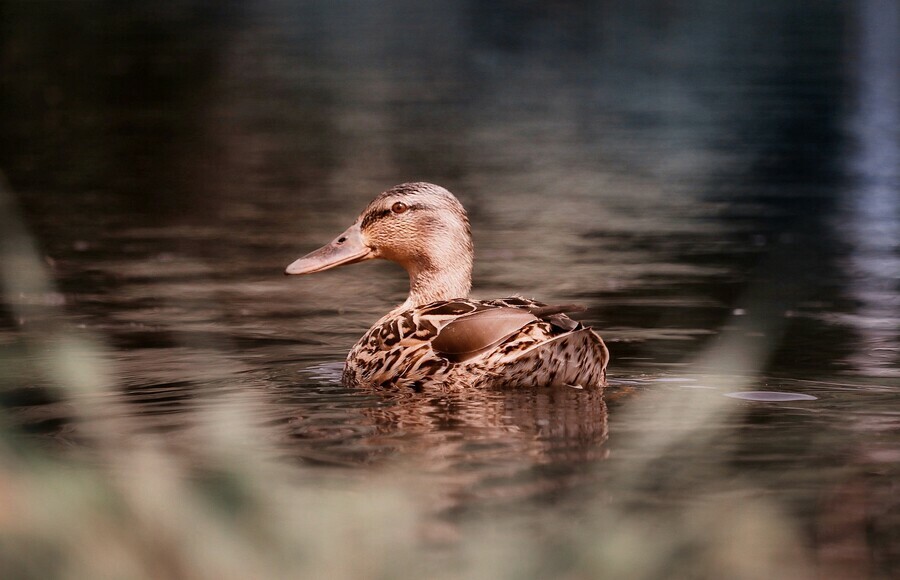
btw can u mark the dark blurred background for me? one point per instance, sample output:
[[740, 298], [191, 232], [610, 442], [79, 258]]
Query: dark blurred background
[[744, 153], [717, 181]]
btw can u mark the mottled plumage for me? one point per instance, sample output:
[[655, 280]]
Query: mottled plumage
[[405, 349], [438, 337]]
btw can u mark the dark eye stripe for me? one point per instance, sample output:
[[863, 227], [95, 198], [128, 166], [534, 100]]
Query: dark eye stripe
[[374, 216]]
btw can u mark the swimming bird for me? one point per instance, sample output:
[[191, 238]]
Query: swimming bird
[[439, 337]]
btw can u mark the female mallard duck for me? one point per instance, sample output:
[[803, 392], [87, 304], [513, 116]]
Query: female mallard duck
[[439, 337]]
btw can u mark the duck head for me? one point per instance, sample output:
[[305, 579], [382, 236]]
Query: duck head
[[422, 227]]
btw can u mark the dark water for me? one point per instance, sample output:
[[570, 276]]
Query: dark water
[[717, 182]]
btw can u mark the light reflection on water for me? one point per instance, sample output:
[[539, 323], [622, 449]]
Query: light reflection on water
[[696, 190]]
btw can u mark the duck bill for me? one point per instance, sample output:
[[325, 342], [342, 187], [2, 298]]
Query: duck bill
[[347, 248]]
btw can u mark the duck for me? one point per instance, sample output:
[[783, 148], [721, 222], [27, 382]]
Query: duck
[[440, 337]]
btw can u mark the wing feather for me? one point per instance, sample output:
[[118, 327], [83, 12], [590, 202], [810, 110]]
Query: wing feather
[[470, 335]]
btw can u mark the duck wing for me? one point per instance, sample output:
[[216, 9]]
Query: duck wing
[[475, 332], [472, 334]]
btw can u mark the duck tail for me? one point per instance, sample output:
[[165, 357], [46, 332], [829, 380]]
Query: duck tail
[[574, 359]]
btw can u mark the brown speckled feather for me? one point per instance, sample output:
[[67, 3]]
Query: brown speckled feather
[[516, 342]]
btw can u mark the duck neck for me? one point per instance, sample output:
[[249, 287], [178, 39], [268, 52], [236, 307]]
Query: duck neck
[[429, 284]]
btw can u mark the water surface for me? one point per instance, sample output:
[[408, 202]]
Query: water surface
[[718, 185]]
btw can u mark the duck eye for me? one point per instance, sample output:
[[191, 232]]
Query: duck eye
[[399, 207]]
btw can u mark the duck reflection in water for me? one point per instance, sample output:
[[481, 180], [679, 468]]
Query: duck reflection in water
[[439, 337], [489, 445], [478, 444]]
